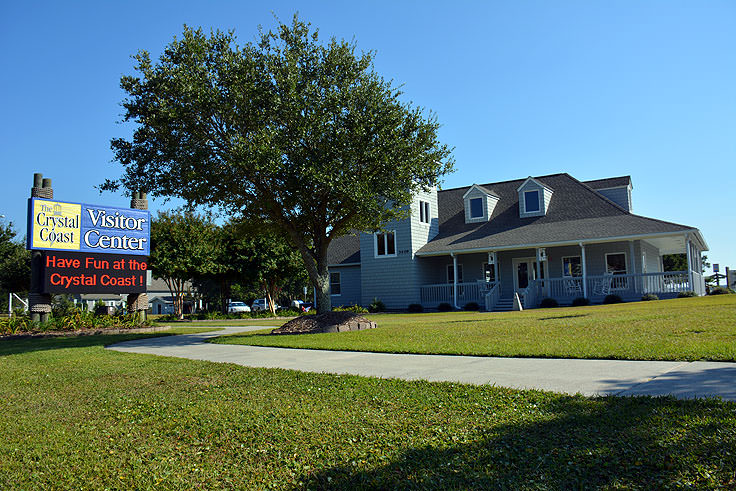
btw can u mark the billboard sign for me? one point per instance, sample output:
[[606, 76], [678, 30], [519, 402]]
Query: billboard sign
[[63, 226], [81, 272]]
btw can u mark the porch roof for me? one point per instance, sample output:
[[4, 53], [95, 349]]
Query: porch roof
[[576, 213]]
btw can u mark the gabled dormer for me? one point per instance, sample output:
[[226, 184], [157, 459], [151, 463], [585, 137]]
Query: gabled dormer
[[534, 198], [479, 204]]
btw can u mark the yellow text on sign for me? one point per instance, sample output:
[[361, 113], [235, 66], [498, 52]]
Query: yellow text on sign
[[56, 225]]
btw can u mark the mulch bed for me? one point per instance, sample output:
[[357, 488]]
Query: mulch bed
[[327, 322], [84, 332]]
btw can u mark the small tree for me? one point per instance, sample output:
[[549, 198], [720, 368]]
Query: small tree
[[183, 245], [302, 134], [15, 264]]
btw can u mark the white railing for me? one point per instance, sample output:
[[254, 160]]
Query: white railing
[[529, 296], [433, 295], [492, 296], [619, 284]]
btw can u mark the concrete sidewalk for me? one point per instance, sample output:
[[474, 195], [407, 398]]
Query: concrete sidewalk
[[587, 377]]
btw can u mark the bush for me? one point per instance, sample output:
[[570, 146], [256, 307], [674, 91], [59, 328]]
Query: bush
[[350, 308], [415, 308], [719, 290], [444, 307], [611, 298], [580, 302], [376, 306], [548, 303], [471, 306], [649, 296], [686, 294]]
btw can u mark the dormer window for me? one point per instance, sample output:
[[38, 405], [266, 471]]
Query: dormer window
[[531, 201], [479, 204], [476, 208], [534, 198]]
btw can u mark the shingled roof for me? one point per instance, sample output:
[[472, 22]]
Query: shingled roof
[[344, 250], [609, 182], [576, 213]]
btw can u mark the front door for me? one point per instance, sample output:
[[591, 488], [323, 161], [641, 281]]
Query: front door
[[525, 270]]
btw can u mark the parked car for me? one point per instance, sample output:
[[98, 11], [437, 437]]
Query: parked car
[[259, 304], [296, 304], [237, 307]]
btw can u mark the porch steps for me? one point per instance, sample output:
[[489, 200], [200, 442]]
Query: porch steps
[[504, 305]]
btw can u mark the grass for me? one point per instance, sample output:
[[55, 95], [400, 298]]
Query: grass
[[224, 322], [680, 329], [75, 415]]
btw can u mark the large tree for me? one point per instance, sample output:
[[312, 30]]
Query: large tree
[[184, 245], [290, 130], [15, 264]]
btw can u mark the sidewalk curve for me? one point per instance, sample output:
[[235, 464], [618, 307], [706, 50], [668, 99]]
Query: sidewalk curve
[[588, 377]]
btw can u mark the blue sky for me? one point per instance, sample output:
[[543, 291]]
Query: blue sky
[[592, 88]]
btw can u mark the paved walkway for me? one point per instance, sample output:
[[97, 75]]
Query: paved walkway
[[588, 377]]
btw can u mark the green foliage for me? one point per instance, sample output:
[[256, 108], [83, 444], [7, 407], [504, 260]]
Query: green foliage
[[70, 318], [649, 296], [415, 308], [548, 303], [376, 306], [351, 308], [612, 298], [719, 290], [444, 307], [471, 306], [15, 265], [674, 262], [580, 302], [290, 129], [686, 294]]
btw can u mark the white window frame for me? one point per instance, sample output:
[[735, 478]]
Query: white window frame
[[482, 206], [483, 271], [526, 201], [562, 261], [339, 283], [450, 268], [626, 261], [424, 212], [385, 244]]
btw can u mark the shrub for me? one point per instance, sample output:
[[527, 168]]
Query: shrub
[[350, 308], [471, 306], [548, 303], [415, 308], [649, 296], [376, 306], [444, 307], [611, 298], [686, 294], [719, 290], [580, 302]]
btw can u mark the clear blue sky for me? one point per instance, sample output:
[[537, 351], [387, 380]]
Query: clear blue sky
[[592, 88]]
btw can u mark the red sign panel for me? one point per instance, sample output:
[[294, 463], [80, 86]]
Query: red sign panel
[[79, 272]]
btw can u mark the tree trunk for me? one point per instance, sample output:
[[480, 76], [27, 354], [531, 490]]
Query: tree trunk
[[324, 302]]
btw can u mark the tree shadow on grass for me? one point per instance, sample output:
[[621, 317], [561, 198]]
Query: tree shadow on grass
[[571, 443]]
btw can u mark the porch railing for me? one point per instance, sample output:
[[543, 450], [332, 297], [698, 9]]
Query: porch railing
[[492, 296], [619, 284], [433, 295]]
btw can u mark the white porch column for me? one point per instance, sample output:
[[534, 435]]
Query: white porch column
[[632, 261], [495, 266], [585, 270], [689, 252], [539, 262], [454, 279]]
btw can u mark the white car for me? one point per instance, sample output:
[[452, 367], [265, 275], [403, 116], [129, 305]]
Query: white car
[[237, 307], [258, 304]]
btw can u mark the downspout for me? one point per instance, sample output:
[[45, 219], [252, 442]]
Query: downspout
[[454, 279], [585, 270]]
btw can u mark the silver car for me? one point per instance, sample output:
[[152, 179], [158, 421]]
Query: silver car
[[237, 307]]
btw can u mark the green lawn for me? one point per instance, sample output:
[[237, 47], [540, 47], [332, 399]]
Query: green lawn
[[224, 323], [77, 416], [681, 329]]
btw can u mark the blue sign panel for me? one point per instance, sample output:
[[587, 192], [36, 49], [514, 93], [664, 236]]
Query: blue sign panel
[[57, 225]]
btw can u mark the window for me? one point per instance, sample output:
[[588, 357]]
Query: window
[[424, 211], [616, 263], [489, 274], [531, 201], [571, 266], [385, 244], [476, 208], [451, 276], [334, 283]]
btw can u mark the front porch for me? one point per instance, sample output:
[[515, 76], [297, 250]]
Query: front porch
[[629, 269]]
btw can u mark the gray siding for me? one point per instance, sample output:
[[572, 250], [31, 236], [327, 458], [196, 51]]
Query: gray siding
[[652, 256], [620, 195], [396, 280], [349, 286], [489, 203], [544, 193]]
